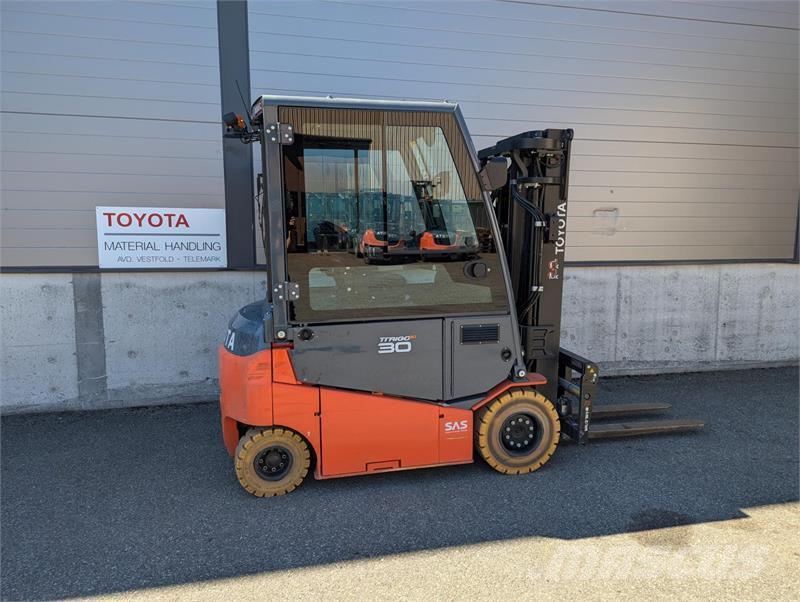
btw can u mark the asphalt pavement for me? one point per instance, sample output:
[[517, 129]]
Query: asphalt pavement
[[145, 502]]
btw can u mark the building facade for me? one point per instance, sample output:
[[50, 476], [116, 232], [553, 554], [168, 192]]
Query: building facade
[[682, 241]]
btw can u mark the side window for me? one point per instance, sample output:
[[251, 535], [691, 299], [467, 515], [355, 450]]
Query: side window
[[380, 225]]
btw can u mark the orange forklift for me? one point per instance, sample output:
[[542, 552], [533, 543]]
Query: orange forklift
[[446, 344]]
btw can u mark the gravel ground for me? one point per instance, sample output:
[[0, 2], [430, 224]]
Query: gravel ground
[[145, 503]]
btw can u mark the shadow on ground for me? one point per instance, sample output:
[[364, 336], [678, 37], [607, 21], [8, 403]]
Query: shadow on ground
[[111, 501]]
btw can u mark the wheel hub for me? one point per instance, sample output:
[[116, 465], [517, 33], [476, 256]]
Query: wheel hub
[[272, 463], [520, 433]]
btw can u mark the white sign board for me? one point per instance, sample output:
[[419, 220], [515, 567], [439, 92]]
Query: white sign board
[[155, 238]]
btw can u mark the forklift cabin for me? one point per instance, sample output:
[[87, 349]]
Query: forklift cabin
[[413, 311]]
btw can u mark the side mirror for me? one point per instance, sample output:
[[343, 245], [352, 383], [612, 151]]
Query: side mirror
[[494, 174]]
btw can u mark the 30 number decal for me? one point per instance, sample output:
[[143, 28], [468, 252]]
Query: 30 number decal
[[399, 347], [395, 344]]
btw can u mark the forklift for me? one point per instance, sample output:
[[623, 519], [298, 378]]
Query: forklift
[[445, 344]]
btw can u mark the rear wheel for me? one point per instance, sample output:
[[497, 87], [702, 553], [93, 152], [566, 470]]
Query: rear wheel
[[271, 461], [517, 432]]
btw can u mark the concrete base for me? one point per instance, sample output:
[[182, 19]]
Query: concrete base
[[88, 341], [38, 367], [658, 319], [160, 334]]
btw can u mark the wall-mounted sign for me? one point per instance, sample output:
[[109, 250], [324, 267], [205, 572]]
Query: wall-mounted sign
[[154, 237]]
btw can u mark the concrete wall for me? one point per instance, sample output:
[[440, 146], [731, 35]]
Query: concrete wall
[[37, 335], [158, 336], [77, 341], [655, 319]]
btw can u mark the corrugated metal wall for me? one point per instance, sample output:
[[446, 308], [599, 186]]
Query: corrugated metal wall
[[104, 103], [686, 113]]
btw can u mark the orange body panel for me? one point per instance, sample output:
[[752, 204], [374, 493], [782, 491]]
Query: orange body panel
[[531, 380], [455, 435], [351, 432], [297, 407], [370, 240], [282, 369], [361, 428], [428, 243], [294, 404], [245, 392]]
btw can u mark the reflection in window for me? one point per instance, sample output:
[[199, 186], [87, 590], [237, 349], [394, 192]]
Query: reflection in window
[[431, 183], [380, 225]]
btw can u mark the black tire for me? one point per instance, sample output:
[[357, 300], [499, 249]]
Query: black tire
[[271, 461], [517, 432]]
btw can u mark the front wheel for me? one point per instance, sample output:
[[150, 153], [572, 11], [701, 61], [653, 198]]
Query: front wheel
[[517, 432], [271, 461]]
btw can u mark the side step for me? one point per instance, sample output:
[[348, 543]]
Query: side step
[[612, 410], [644, 427]]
